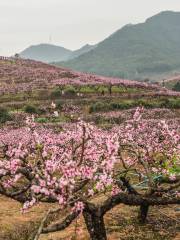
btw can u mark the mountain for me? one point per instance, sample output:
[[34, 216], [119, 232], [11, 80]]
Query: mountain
[[46, 53], [85, 49], [146, 50], [50, 53]]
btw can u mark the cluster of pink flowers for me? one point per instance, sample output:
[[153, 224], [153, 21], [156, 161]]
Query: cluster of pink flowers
[[78, 207], [71, 109], [154, 144], [155, 115], [72, 156]]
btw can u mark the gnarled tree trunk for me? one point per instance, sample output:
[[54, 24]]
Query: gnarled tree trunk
[[95, 225], [144, 208]]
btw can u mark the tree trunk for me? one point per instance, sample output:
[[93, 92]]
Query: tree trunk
[[143, 212], [95, 225]]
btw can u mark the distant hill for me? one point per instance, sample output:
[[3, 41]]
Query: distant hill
[[50, 53], [146, 50], [79, 52], [46, 53]]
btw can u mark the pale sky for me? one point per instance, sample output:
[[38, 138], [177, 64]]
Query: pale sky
[[70, 23]]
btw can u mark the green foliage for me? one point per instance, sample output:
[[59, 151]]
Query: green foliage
[[170, 103], [4, 115], [177, 87], [174, 103], [70, 90], [59, 119], [42, 120], [100, 106], [88, 89], [102, 89], [30, 109], [123, 105], [105, 89], [127, 104]]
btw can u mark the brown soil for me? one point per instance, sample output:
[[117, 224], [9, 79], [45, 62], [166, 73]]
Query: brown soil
[[121, 223]]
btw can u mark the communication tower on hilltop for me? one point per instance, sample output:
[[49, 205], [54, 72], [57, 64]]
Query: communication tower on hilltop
[[50, 39]]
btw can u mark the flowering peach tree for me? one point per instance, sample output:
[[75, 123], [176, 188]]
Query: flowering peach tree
[[135, 164]]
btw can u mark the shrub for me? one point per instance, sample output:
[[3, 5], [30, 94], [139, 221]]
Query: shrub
[[70, 90], [148, 103], [171, 103], [4, 115], [100, 106], [87, 89], [177, 87], [122, 105], [30, 109]]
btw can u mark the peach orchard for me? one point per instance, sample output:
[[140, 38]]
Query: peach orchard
[[135, 163]]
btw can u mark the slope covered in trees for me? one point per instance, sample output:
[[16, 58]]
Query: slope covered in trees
[[50, 53], [146, 50], [18, 75], [46, 53]]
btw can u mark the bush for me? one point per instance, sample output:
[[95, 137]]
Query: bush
[[148, 103], [30, 109], [177, 87], [4, 115], [70, 91], [171, 103], [100, 106], [122, 105], [87, 89]]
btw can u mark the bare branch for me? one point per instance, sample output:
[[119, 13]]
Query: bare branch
[[61, 225]]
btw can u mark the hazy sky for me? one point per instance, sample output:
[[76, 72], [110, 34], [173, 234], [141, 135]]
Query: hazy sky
[[70, 23]]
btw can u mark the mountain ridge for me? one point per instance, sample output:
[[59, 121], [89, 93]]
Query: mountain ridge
[[51, 53], [136, 51]]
